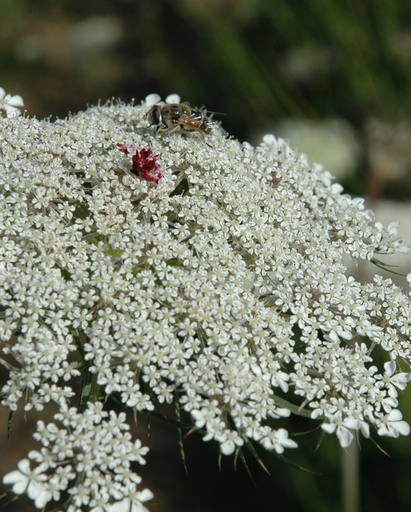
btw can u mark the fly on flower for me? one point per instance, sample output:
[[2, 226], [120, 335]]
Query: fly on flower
[[172, 117]]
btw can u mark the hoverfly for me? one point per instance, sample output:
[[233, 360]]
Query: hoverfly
[[171, 117]]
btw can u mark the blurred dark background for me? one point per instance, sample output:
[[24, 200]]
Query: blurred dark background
[[307, 70], [333, 76]]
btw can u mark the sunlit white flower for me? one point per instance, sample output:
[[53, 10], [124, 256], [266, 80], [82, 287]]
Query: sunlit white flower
[[10, 104], [32, 482], [392, 425], [344, 430], [152, 99], [173, 98], [186, 269], [229, 441], [394, 380], [278, 440], [131, 504]]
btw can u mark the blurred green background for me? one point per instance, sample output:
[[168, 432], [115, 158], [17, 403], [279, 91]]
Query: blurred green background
[[333, 76]]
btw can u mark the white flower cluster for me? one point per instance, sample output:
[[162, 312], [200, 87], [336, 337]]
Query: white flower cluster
[[94, 444], [183, 268]]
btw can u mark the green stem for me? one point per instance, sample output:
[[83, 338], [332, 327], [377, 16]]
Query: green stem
[[351, 478]]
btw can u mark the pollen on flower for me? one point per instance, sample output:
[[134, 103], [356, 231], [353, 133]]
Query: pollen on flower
[[145, 163]]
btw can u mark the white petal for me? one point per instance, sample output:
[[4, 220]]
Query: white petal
[[15, 101], [389, 367], [198, 418], [289, 443], [173, 98], [401, 380], [365, 429], [12, 477], [395, 415], [38, 492], [390, 402], [345, 436], [333, 336], [119, 506], [145, 495], [345, 335], [24, 466], [152, 99], [402, 427], [328, 427], [283, 412], [352, 423], [18, 480], [11, 111], [317, 413], [269, 139], [383, 431], [227, 448]]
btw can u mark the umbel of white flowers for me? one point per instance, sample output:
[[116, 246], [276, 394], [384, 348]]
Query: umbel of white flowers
[[184, 268]]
